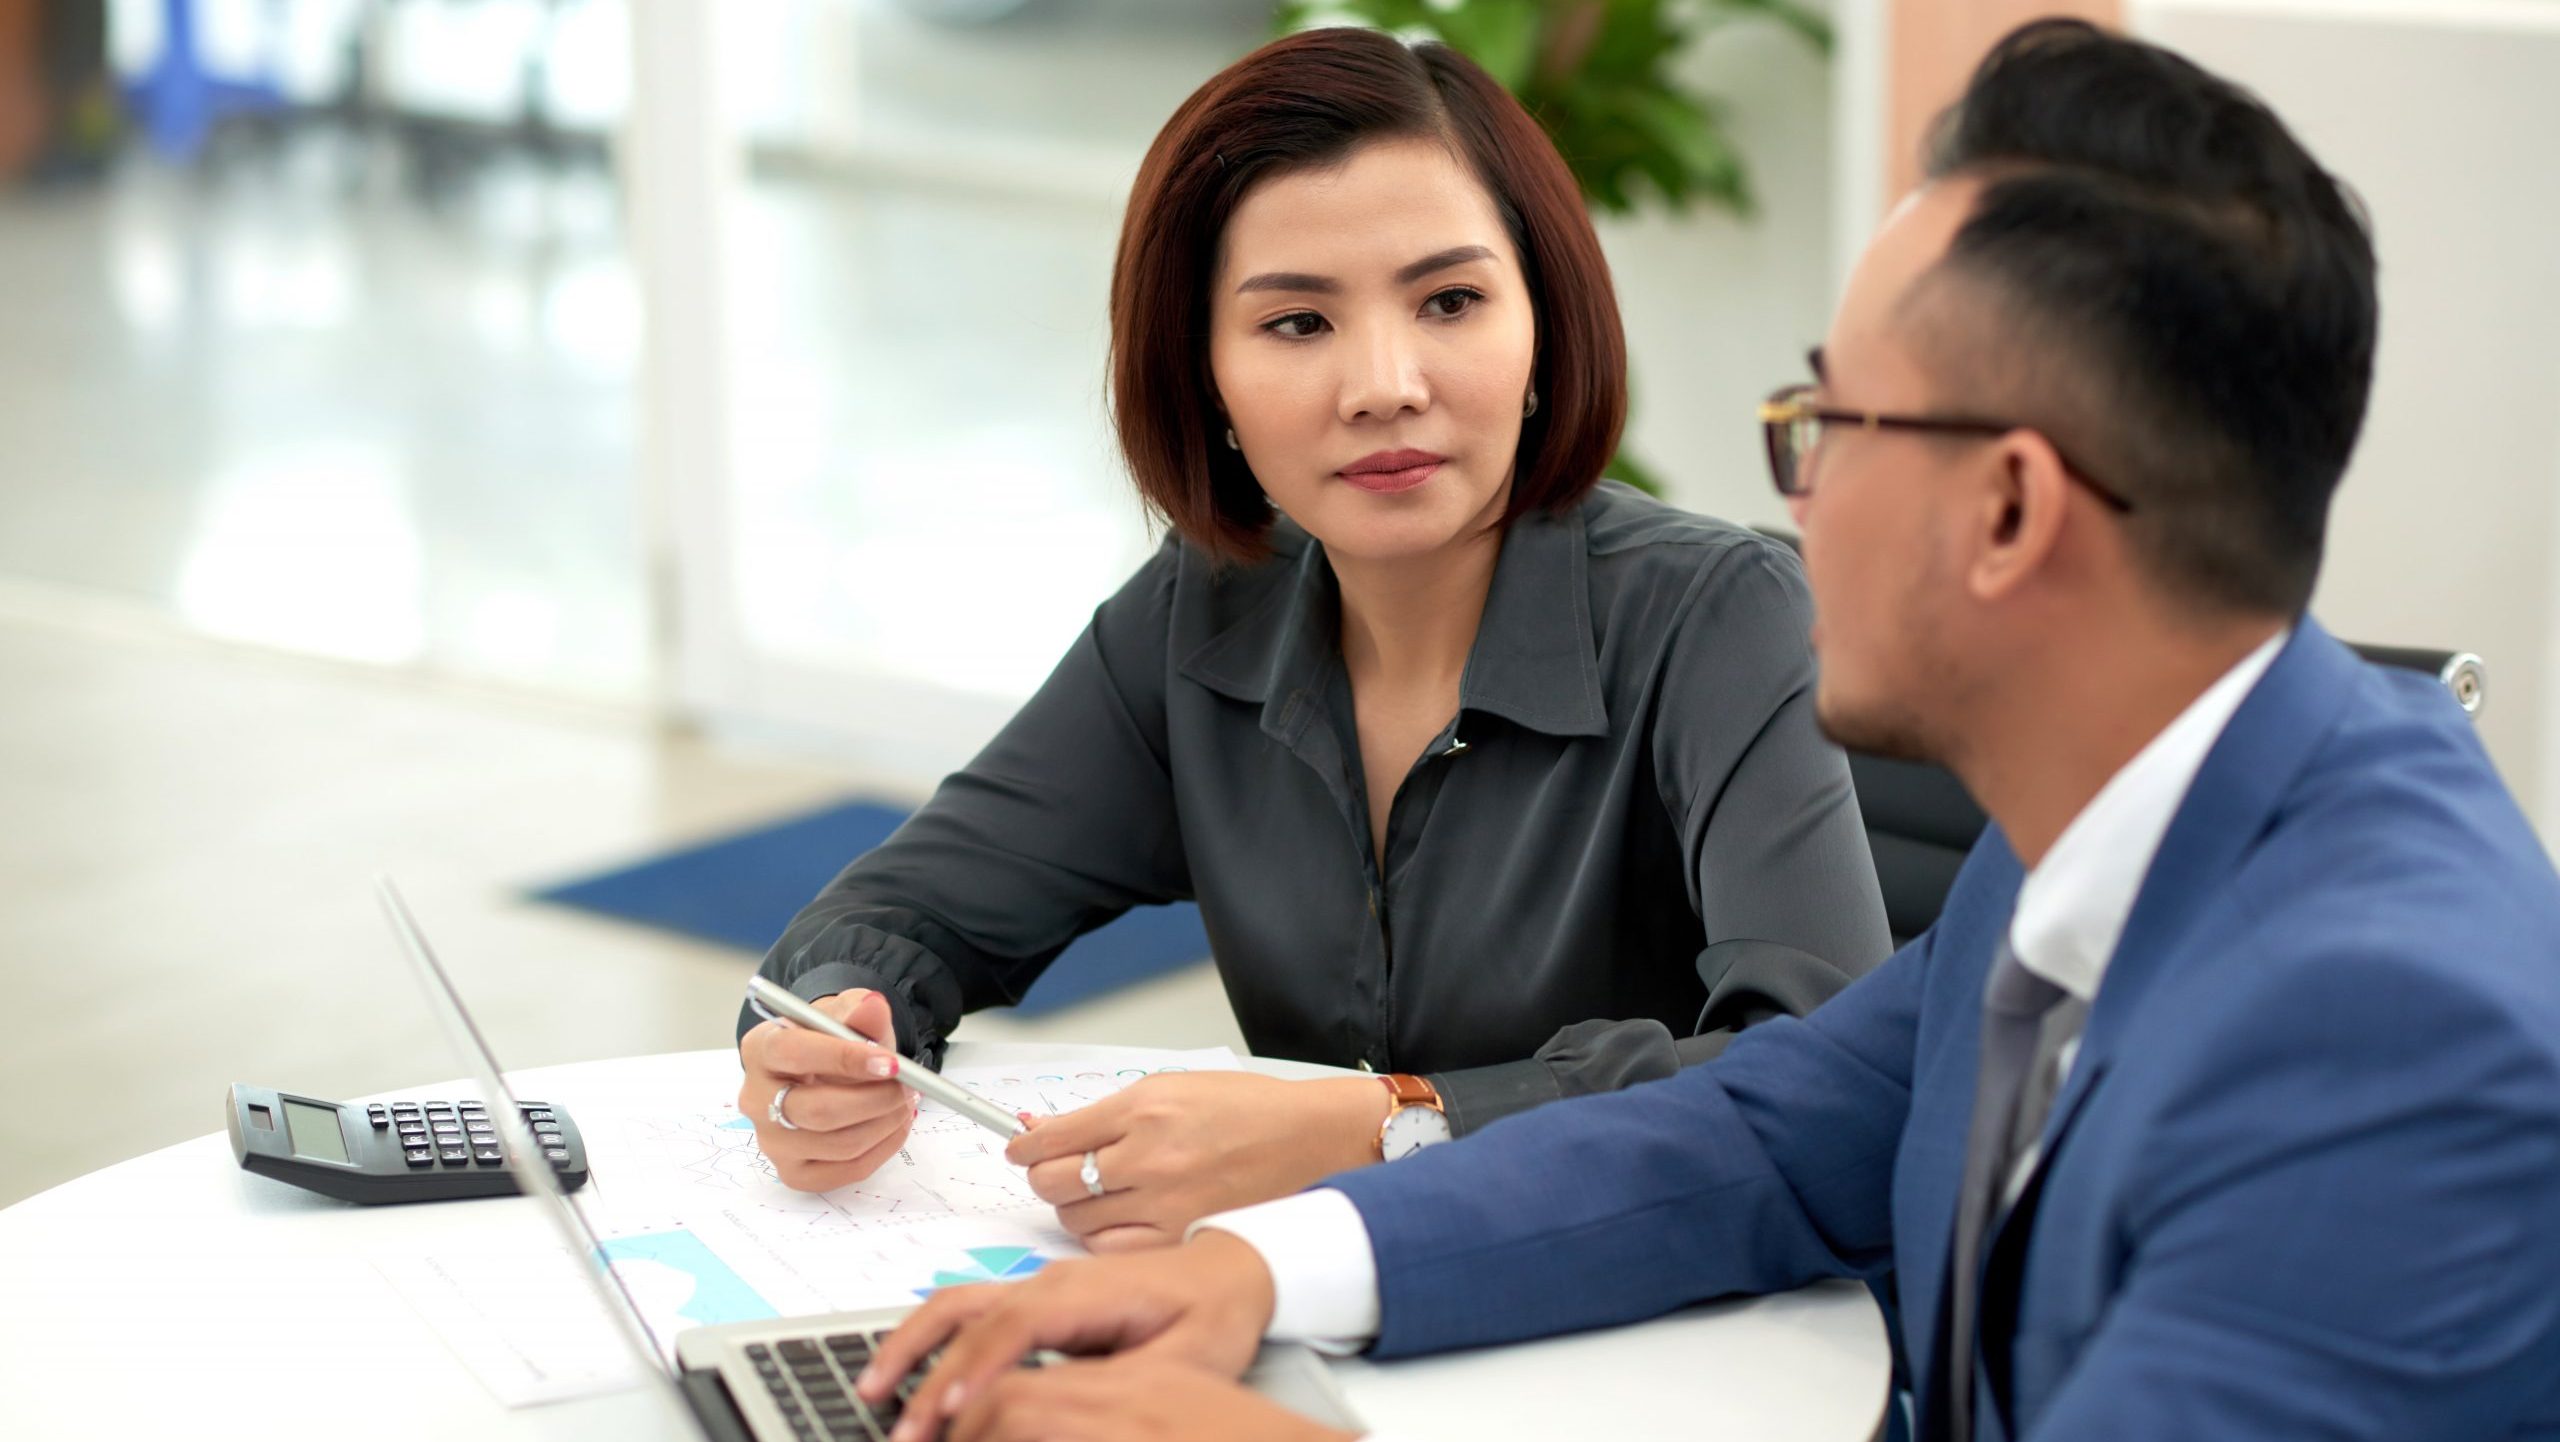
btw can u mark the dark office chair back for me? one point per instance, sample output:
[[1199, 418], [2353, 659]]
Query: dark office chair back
[[1921, 821]]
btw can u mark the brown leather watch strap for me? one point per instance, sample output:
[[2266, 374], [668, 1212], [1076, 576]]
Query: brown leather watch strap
[[1411, 1091]]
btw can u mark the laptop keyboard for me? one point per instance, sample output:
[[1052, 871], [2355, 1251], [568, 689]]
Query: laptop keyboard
[[812, 1383]]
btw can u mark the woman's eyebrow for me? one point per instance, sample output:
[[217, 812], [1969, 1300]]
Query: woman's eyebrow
[[1442, 260], [1288, 280], [1298, 280]]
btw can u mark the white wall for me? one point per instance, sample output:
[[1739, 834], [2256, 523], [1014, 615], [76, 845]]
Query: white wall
[[2443, 115]]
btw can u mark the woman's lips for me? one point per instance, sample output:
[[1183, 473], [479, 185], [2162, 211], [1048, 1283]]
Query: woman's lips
[[1389, 482], [1391, 471]]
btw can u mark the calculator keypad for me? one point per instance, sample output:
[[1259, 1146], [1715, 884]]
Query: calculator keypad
[[460, 1135]]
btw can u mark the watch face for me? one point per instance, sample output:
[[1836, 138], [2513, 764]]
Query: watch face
[[1411, 1129]]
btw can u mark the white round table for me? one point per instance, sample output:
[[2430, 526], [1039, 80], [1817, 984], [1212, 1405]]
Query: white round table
[[176, 1292]]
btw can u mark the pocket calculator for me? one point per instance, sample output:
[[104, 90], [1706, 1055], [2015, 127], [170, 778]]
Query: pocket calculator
[[400, 1151]]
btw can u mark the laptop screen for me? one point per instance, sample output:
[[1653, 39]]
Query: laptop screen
[[533, 1176]]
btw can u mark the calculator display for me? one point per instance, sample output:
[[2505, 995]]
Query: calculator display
[[315, 1131]]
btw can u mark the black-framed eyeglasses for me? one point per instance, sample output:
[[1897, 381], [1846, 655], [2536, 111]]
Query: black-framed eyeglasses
[[1792, 420]]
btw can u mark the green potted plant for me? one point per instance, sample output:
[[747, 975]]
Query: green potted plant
[[1598, 75]]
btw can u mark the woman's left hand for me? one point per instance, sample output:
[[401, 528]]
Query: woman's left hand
[[1175, 1147]]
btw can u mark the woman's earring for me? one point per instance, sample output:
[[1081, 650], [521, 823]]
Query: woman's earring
[[1531, 408], [1231, 439]]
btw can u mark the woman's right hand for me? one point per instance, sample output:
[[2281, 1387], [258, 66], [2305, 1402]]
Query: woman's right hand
[[847, 1115]]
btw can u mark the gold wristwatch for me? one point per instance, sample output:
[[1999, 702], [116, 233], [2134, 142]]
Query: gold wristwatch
[[1415, 1118]]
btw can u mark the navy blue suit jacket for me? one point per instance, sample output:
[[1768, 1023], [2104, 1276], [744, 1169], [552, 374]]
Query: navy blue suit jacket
[[2303, 1180]]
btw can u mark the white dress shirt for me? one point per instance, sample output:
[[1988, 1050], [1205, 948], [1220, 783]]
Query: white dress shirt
[[2071, 911]]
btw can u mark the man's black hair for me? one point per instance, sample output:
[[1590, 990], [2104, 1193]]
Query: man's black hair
[[2190, 294]]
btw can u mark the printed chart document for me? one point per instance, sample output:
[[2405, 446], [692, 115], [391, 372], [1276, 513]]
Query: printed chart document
[[701, 1231]]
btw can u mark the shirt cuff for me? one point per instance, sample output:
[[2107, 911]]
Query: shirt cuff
[[1324, 1277]]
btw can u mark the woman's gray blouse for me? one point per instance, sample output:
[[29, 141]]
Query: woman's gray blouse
[[1630, 842]]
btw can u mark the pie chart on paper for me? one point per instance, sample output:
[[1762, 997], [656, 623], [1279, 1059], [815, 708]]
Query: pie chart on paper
[[988, 1264]]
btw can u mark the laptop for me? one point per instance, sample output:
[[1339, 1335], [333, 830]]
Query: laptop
[[778, 1380]]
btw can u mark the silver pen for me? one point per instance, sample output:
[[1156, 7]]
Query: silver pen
[[775, 1004]]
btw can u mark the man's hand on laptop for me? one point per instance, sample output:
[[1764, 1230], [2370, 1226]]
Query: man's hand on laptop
[[1135, 1398], [1204, 1304], [845, 1121]]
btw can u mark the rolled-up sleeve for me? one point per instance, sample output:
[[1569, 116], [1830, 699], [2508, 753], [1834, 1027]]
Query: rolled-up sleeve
[[1773, 850], [1064, 821]]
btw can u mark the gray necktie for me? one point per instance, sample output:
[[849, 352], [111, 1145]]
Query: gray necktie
[[2026, 1022]]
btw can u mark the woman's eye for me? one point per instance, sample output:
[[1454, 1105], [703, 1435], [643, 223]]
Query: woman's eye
[[1297, 324], [1451, 303]]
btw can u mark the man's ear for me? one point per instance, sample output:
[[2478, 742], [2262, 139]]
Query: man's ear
[[2023, 492]]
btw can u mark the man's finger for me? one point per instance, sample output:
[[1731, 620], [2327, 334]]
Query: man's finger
[[1136, 1237], [992, 1344], [1017, 1407], [1049, 1404], [915, 1338]]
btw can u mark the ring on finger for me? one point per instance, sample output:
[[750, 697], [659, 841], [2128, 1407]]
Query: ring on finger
[[773, 1109], [1091, 1175]]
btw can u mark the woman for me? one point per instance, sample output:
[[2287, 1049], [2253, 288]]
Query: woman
[[1479, 770]]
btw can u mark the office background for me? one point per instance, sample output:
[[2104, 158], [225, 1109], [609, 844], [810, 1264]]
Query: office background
[[490, 440]]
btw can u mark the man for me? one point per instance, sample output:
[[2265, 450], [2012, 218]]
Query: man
[[2224, 1098]]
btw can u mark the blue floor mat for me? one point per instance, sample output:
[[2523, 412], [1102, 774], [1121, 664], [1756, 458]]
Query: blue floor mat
[[742, 890]]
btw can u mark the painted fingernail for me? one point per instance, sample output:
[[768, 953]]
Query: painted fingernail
[[882, 1066], [1023, 1117]]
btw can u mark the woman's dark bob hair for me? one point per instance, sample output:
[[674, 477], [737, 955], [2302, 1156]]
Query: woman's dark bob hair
[[1307, 101]]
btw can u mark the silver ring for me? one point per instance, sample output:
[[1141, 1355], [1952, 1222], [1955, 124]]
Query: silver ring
[[1091, 1172], [773, 1109]]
